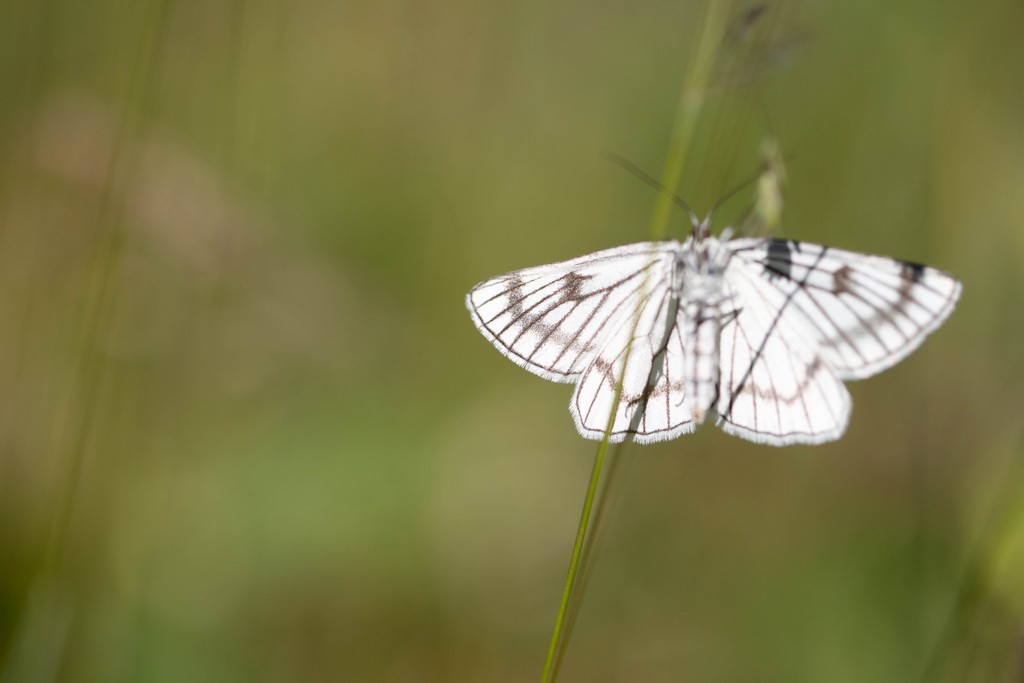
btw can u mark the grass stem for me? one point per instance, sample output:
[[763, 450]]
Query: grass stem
[[691, 103]]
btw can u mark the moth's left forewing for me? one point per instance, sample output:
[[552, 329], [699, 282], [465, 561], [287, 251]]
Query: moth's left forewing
[[864, 312]]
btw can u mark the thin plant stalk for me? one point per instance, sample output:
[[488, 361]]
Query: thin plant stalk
[[590, 547], [46, 618], [690, 105], [550, 671], [99, 291]]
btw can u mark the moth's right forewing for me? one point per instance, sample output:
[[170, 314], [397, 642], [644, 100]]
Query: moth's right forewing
[[553, 319]]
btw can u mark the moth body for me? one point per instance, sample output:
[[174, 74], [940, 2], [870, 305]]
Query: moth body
[[759, 332]]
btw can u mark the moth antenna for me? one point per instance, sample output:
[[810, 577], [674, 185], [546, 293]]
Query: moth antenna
[[625, 163], [736, 189], [749, 180]]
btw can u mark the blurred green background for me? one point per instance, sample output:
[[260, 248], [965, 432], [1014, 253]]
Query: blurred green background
[[249, 433]]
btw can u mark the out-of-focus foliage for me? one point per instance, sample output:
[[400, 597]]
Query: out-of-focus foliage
[[248, 432]]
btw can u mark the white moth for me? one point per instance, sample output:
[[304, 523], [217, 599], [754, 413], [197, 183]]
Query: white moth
[[755, 333]]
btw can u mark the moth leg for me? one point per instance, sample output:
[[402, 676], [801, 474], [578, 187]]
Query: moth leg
[[730, 316]]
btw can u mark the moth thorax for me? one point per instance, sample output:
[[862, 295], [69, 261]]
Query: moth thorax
[[700, 339], [702, 271]]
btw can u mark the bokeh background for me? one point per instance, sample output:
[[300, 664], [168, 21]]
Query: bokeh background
[[248, 432]]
